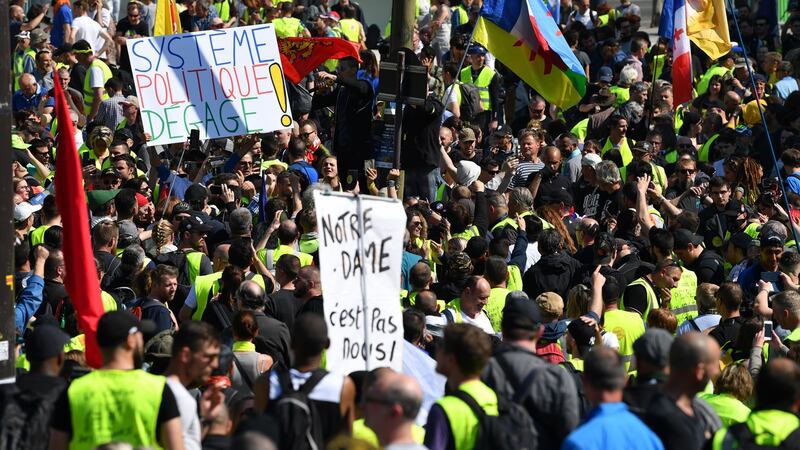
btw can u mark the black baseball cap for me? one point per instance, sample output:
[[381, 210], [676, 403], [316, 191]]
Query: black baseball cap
[[582, 333], [44, 342], [115, 327], [194, 223], [772, 240], [741, 240], [684, 237]]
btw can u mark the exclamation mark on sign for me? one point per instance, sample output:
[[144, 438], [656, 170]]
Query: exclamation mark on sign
[[280, 91]]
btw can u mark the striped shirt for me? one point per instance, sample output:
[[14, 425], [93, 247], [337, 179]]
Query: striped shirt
[[110, 112], [524, 170]]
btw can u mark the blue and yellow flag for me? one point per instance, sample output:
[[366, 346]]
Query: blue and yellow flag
[[525, 38]]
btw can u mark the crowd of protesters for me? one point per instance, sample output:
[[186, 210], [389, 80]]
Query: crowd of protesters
[[623, 273]]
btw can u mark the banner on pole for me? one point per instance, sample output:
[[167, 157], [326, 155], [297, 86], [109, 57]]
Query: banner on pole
[[226, 82], [352, 269]]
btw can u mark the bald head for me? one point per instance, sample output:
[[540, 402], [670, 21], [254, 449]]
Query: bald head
[[251, 295], [287, 232], [221, 253], [393, 388], [27, 83], [694, 361], [309, 273]]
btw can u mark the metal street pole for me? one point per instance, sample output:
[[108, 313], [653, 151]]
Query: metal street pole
[[7, 328]]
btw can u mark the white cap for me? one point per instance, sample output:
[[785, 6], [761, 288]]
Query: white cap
[[24, 210], [591, 160]]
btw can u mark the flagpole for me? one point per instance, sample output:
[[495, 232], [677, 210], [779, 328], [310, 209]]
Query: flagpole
[[463, 58], [766, 127]]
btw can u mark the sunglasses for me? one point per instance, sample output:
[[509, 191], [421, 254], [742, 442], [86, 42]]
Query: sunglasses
[[305, 135], [687, 171]]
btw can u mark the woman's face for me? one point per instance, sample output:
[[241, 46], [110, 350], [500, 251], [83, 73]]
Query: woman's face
[[23, 190], [714, 88], [414, 226]]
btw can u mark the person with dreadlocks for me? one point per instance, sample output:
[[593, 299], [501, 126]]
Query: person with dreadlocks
[[744, 174]]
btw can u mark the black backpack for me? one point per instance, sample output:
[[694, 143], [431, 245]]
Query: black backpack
[[583, 402], [25, 420], [470, 101], [298, 420], [511, 429], [740, 437]]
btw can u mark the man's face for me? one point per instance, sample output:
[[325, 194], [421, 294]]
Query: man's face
[[467, 148], [720, 196], [529, 148], [445, 137], [202, 363], [476, 60], [245, 164], [28, 86], [308, 134], [553, 160], [330, 168], [639, 97], [146, 213], [770, 257], [42, 154], [134, 16], [686, 174], [167, 287], [123, 170], [565, 145], [197, 239], [620, 128], [537, 110], [670, 277], [44, 62], [302, 285]]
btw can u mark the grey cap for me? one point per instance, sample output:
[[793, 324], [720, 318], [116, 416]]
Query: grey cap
[[653, 347]]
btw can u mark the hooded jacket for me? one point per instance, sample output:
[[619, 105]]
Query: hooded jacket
[[552, 273]]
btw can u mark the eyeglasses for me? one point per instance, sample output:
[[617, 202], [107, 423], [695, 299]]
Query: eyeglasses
[[416, 224], [246, 163]]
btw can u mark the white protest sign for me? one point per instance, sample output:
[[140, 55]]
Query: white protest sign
[[226, 82], [345, 274]]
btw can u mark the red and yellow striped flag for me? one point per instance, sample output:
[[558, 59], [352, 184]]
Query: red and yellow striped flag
[[167, 19]]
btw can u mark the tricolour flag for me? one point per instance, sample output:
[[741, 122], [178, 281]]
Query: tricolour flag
[[707, 26], [299, 56], [167, 19], [673, 27], [81, 280], [526, 39]]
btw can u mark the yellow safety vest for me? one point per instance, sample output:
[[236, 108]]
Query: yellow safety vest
[[507, 222], [463, 422], [624, 150], [362, 432], [659, 175], [305, 258], [652, 298], [627, 326], [469, 233], [115, 405], [581, 129], [287, 27], [37, 235], [308, 245], [514, 282], [194, 259], [351, 29], [224, 11], [702, 85], [460, 15], [109, 303], [770, 427], [729, 409], [88, 92], [682, 303], [495, 305], [481, 83], [203, 286], [19, 64], [705, 149], [623, 94]]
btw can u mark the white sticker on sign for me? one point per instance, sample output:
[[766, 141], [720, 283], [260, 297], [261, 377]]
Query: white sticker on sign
[[4, 351], [353, 329]]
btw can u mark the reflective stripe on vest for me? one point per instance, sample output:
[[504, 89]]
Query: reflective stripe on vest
[[627, 326], [507, 222], [203, 285], [88, 92], [682, 302], [481, 83], [115, 405], [463, 422], [652, 298]]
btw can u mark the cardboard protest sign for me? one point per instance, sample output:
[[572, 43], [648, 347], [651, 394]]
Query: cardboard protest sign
[[226, 82], [354, 269]]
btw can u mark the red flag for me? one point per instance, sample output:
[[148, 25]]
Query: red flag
[[81, 280], [299, 56]]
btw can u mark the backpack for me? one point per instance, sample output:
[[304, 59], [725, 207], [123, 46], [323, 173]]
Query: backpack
[[470, 101], [740, 437], [551, 352], [298, 420], [511, 429], [583, 402], [25, 420]]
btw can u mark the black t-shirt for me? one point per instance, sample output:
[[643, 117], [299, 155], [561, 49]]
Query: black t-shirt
[[608, 205], [283, 305], [313, 305], [636, 298], [586, 198], [676, 430], [62, 415], [128, 30], [725, 333], [548, 188], [709, 268]]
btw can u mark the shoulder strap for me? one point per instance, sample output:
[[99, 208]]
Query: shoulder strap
[[449, 316], [694, 324], [312, 381], [242, 372], [473, 405]]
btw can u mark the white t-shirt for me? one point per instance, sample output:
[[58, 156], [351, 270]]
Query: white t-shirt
[[190, 422], [96, 79], [89, 30], [481, 321]]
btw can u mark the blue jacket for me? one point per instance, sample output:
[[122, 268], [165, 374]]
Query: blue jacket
[[28, 301], [611, 425]]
